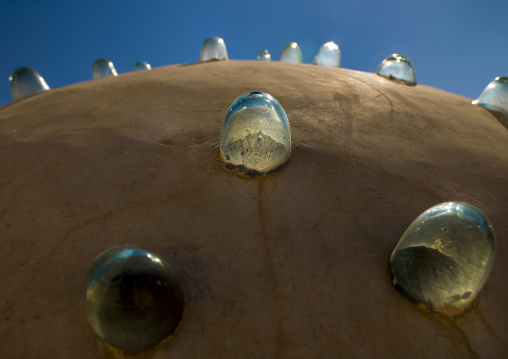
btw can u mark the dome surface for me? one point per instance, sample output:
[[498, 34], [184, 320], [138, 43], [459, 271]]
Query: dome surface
[[288, 265]]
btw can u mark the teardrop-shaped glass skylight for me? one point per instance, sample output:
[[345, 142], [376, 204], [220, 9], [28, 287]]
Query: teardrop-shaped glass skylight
[[25, 82], [213, 48], [103, 68], [291, 53], [328, 55], [255, 138], [444, 257], [264, 55], [142, 65], [133, 299], [495, 96], [397, 68]]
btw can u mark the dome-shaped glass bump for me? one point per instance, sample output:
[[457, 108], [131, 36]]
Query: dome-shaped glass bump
[[398, 68], [264, 55], [291, 53], [133, 299], [213, 48], [255, 138], [25, 82], [103, 68], [495, 96], [328, 55], [444, 257], [142, 65]]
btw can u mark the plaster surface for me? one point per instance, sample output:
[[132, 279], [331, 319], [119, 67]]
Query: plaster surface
[[290, 265]]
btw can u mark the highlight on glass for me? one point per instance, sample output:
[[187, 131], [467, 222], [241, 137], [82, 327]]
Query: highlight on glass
[[397, 68], [103, 68], [495, 96], [291, 53], [255, 138], [328, 55], [444, 257], [213, 48], [25, 82], [133, 299]]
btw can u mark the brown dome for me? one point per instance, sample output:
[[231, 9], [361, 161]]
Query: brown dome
[[290, 265]]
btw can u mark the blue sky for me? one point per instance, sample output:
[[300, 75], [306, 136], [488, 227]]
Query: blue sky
[[455, 45]]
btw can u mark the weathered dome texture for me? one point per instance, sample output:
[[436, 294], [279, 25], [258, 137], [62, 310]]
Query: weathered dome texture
[[290, 265]]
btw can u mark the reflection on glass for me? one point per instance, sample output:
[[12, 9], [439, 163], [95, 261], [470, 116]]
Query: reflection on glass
[[25, 82], [142, 65], [213, 48], [291, 53], [133, 299], [495, 96], [444, 257], [397, 68], [103, 68], [328, 55], [255, 138], [264, 55]]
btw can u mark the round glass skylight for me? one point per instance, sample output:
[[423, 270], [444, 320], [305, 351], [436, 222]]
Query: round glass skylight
[[291, 53], [213, 48], [103, 68], [141, 66], [25, 82], [398, 68], [264, 55], [444, 257], [495, 96], [255, 137], [133, 299], [328, 55]]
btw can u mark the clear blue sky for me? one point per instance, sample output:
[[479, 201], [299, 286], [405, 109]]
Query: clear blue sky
[[455, 45]]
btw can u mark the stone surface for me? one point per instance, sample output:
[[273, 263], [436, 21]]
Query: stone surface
[[291, 265]]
